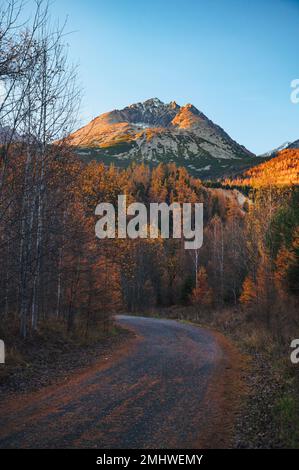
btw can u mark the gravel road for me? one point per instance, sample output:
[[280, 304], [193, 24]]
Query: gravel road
[[161, 392]]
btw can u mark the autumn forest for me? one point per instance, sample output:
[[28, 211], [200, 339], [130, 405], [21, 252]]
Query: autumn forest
[[55, 273]]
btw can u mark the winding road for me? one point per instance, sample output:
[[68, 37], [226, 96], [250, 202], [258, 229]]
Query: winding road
[[168, 389]]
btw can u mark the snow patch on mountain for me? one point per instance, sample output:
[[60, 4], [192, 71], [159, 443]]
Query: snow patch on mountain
[[276, 150]]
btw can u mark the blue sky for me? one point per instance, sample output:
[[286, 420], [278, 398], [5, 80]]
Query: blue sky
[[233, 59]]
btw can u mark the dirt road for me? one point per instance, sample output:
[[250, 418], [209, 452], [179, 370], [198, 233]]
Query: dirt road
[[175, 386]]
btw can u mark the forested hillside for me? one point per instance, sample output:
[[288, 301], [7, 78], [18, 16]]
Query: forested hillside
[[249, 254], [282, 170]]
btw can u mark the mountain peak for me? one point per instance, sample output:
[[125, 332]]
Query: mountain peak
[[149, 113], [162, 132], [153, 102], [284, 146], [190, 106]]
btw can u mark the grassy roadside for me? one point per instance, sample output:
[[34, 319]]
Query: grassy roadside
[[270, 413]]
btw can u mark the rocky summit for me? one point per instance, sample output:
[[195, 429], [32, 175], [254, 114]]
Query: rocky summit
[[156, 132]]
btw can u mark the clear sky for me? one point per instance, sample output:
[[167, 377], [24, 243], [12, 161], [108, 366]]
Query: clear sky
[[233, 59]]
